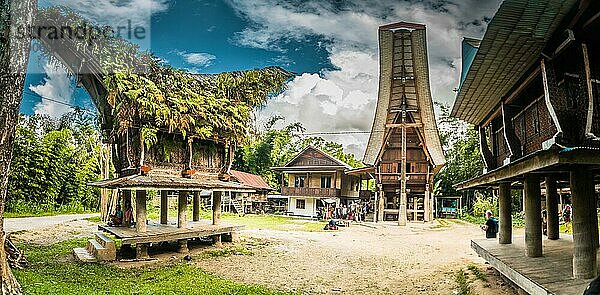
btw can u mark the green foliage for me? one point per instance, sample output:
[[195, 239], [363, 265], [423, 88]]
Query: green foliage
[[148, 95], [461, 279], [275, 147], [53, 160], [484, 203], [51, 272]]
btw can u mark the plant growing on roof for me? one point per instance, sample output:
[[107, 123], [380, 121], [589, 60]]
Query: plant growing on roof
[[145, 94]]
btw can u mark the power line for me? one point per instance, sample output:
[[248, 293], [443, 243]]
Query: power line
[[57, 101], [339, 132]]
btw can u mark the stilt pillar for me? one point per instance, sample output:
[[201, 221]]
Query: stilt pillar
[[585, 226], [216, 207], [533, 217], [140, 211], [381, 204], [182, 209], [505, 208], [552, 208], [164, 206], [196, 207]]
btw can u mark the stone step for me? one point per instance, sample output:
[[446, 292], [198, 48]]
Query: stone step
[[82, 255], [101, 253], [105, 241]]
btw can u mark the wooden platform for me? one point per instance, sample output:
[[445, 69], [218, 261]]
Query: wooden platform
[[550, 274], [161, 232]]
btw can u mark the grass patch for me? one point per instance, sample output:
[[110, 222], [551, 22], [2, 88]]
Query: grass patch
[[94, 219], [226, 252], [51, 272], [461, 279], [41, 214], [477, 272]]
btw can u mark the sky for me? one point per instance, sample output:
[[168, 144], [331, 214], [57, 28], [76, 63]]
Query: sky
[[331, 45]]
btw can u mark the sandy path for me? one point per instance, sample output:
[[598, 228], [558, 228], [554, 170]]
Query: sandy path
[[359, 260], [32, 223]]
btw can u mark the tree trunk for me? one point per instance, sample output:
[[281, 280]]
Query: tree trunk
[[14, 56]]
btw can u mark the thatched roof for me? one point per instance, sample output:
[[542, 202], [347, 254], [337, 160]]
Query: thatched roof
[[513, 42], [418, 97]]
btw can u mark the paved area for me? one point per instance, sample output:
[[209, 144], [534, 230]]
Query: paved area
[[31, 223]]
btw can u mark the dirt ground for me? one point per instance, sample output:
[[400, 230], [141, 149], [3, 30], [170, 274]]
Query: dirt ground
[[419, 259], [381, 259]]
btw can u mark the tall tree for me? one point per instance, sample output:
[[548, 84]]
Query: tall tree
[[14, 57]]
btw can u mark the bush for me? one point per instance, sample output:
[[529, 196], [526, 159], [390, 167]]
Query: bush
[[483, 203]]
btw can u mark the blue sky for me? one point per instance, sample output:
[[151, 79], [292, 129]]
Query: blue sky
[[332, 45]]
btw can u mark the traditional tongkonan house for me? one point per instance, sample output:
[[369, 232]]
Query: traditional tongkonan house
[[168, 130], [531, 88], [404, 151], [315, 180]]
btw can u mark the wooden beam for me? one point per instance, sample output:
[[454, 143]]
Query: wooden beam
[[590, 90], [408, 125], [164, 206], [484, 149], [196, 206], [552, 208]]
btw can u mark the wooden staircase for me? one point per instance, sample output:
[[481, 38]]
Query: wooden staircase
[[100, 248], [236, 205]]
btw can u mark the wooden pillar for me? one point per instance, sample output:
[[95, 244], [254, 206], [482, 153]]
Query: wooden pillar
[[505, 208], [216, 218], [126, 194], [140, 211], [533, 217], [381, 204], [164, 206], [403, 197], [552, 208], [585, 237], [182, 209], [196, 207]]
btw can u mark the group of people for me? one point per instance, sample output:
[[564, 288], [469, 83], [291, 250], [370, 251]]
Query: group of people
[[121, 218], [356, 211]]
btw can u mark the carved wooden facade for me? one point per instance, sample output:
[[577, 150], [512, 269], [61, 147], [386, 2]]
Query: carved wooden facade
[[317, 179], [404, 151]]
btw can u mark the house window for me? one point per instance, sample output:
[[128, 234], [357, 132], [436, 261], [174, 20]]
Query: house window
[[299, 181], [325, 181], [300, 204]]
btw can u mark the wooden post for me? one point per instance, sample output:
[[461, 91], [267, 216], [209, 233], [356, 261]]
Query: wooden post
[[126, 194], [164, 206], [140, 210], [403, 197], [196, 207], [533, 219], [552, 208], [182, 209], [381, 205], [585, 241], [504, 204], [216, 218]]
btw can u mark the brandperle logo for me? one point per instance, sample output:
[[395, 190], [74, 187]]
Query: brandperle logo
[[81, 32]]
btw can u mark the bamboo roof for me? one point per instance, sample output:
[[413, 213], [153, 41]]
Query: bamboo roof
[[411, 38], [513, 42]]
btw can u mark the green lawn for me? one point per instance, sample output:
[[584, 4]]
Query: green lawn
[[51, 271], [252, 221]]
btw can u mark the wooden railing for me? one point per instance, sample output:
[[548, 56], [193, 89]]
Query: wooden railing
[[311, 191]]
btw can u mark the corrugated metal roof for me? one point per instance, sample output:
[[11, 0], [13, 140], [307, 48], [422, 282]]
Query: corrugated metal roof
[[251, 180], [512, 43], [169, 182], [418, 95]]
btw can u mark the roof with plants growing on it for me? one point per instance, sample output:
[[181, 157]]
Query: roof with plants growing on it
[[141, 92]]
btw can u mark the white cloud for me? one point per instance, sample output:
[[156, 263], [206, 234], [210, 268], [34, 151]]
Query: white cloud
[[344, 98], [55, 89], [197, 59]]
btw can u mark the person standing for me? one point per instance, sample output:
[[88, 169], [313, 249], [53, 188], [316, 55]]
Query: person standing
[[567, 214], [491, 225]]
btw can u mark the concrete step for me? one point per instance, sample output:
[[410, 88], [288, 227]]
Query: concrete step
[[82, 255], [101, 253], [105, 241]]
